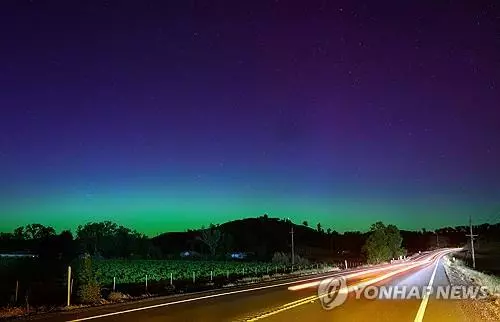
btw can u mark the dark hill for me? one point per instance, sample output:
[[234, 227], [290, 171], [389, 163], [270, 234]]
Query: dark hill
[[264, 236]]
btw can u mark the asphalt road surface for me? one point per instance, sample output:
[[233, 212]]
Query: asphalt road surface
[[299, 300]]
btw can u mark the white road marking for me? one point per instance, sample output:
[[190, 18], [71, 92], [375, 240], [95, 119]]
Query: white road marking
[[203, 297], [207, 297], [348, 289], [421, 310]]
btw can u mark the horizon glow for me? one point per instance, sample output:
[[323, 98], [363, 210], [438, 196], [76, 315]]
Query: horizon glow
[[190, 117]]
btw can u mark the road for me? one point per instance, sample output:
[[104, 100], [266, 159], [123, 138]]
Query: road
[[299, 301]]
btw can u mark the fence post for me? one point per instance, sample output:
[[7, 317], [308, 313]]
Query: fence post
[[68, 302], [171, 279], [114, 283], [17, 288]]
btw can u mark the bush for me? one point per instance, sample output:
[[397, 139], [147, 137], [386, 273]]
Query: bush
[[89, 291], [117, 297], [301, 261], [281, 258]]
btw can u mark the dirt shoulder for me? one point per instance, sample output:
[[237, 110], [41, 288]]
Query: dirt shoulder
[[461, 275]]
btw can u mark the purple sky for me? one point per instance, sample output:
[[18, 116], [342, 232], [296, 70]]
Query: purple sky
[[140, 112]]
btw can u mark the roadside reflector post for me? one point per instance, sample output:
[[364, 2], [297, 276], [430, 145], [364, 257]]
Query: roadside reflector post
[[71, 288], [345, 262], [211, 275], [171, 279], [68, 301], [17, 289], [146, 283], [267, 270], [114, 283], [194, 277], [227, 274]]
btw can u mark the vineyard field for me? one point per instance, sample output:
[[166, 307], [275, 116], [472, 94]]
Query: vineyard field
[[135, 271]]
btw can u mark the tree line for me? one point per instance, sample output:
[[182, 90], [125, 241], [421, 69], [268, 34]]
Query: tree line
[[260, 237], [100, 239]]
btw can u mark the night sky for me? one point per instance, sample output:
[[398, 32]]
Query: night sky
[[170, 115]]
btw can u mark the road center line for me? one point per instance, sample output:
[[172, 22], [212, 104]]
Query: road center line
[[421, 310]]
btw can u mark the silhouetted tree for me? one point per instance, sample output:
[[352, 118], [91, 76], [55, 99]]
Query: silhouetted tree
[[281, 258], [376, 247], [394, 241], [34, 232], [110, 240], [383, 243], [19, 233], [305, 223], [210, 237]]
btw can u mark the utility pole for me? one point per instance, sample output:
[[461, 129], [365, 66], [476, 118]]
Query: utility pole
[[293, 250], [471, 235]]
